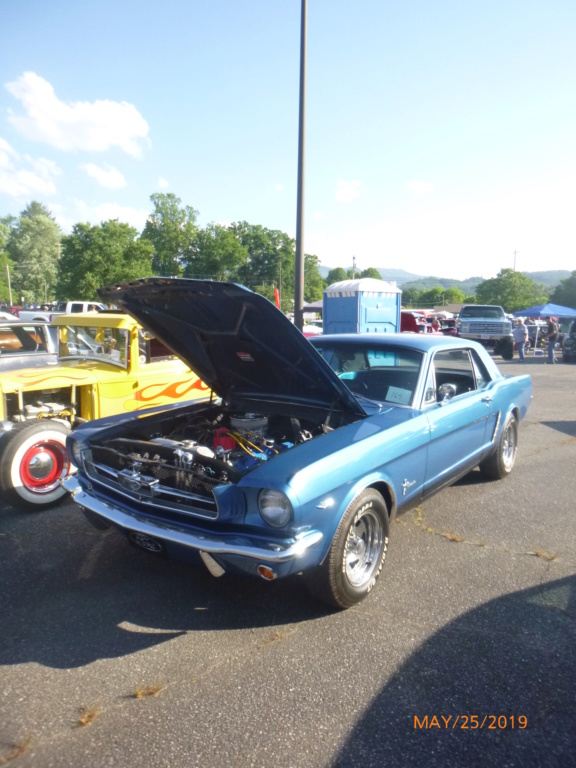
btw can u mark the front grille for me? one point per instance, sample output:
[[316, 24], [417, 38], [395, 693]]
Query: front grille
[[487, 327], [152, 483]]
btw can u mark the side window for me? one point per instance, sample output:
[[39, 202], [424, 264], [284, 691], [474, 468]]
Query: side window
[[455, 367]]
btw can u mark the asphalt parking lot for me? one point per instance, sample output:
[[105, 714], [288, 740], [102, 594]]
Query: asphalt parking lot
[[465, 653]]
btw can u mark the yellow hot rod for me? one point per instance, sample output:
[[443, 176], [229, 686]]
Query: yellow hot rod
[[107, 365]]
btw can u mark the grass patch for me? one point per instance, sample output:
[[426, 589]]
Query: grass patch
[[544, 555], [87, 715], [17, 751], [150, 690]]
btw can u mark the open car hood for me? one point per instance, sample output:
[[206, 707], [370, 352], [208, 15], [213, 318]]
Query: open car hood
[[237, 341]]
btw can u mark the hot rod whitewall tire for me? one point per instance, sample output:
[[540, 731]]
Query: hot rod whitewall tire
[[501, 462], [356, 554], [33, 461]]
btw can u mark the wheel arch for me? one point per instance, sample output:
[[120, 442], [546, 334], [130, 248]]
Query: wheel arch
[[378, 483]]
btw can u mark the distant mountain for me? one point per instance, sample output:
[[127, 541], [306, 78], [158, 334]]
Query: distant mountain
[[550, 278], [392, 275], [404, 280]]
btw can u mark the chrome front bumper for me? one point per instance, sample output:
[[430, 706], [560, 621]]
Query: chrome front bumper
[[224, 544]]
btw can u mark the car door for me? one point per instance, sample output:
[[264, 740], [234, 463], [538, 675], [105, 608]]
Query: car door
[[460, 422]]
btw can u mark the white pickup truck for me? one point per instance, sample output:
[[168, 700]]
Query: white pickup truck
[[61, 308]]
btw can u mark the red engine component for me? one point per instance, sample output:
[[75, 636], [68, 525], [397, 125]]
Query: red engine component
[[223, 440]]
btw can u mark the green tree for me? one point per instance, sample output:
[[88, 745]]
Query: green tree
[[511, 290], [34, 209], [216, 254], [270, 254], [371, 272], [565, 293], [171, 229], [34, 246], [411, 298], [336, 275], [313, 283], [93, 256], [5, 262], [432, 297], [453, 296]]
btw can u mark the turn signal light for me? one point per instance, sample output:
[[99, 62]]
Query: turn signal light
[[266, 573]]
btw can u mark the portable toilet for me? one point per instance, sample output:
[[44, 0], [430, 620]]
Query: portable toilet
[[365, 305]]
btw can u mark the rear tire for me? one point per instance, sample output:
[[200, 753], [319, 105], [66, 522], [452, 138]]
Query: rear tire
[[501, 462], [33, 462], [356, 554]]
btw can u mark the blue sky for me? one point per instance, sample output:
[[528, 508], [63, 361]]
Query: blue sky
[[440, 136]]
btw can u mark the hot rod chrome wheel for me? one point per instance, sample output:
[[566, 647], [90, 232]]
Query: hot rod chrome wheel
[[502, 461], [33, 463], [356, 554]]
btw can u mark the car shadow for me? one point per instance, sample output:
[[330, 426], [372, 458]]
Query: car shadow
[[566, 427], [72, 595], [512, 658]]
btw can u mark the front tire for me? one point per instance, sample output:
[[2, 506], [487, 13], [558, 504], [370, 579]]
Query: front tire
[[33, 463], [501, 462], [356, 554]]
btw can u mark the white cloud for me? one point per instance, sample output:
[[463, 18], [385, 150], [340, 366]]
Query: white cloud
[[21, 177], [346, 191], [420, 188], [279, 187], [80, 125], [163, 183], [108, 177], [105, 211]]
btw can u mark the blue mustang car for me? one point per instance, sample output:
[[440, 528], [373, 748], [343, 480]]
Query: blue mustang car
[[305, 451]]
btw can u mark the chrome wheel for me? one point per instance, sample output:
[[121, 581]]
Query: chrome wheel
[[356, 555], [509, 445], [363, 549]]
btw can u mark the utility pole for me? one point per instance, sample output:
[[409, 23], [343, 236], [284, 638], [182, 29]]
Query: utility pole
[[299, 271], [9, 288], [515, 252]]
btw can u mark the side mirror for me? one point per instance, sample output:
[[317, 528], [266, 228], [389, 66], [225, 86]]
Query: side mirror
[[446, 392]]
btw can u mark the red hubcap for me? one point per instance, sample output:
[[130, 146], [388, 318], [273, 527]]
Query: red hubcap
[[43, 466]]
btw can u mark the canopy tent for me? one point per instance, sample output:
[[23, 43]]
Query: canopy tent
[[546, 310]]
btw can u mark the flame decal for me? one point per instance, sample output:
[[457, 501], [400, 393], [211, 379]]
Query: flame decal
[[29, 382], [175, 391]]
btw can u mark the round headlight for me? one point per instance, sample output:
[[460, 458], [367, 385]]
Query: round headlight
[[274, 507], [75, 448]]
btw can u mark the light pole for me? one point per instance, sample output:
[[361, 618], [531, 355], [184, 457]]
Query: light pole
[[299, 263]]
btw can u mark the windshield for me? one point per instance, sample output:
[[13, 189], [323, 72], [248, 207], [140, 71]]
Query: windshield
[[492, 312], [385, 373], [109, 344]]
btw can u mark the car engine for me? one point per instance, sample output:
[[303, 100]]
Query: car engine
[[195, 455]]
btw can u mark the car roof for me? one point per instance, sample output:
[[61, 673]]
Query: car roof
[[95, 319], [424, 342]]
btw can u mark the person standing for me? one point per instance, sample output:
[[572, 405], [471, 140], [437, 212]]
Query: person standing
[[520, 335], [552, 336]]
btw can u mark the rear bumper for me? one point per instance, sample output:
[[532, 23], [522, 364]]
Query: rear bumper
[[226, 544]]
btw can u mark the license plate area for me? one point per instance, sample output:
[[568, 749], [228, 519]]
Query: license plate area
[[143, 541]]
